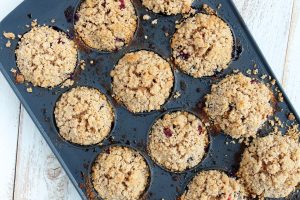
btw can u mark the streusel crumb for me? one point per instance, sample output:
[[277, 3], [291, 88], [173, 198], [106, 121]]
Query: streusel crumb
[[202, 45], [46, 57], [106, 25], [120, 173], [239, 105], [84, 116], [9, 35], [142, 81], [178, 141]]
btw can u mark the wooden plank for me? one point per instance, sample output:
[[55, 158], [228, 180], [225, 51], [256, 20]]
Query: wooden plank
[[9, 120], [38, 173], [269, 22], [291, 78]]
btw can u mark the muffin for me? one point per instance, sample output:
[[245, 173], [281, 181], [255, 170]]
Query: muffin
[[169, 7], [213, 185], [46, 57], [239, 105], [120, 173], [270, 166], [178, 141], [84, 116], [106, 25], [202, 45], [142, 81]]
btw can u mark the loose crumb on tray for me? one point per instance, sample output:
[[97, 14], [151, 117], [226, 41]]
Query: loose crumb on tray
[[9, 35]]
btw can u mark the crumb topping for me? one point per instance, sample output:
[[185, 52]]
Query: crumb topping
[[120, 173], [46, 57], [106, 25], [84, 116], [239, 105], [178, 141], [270, 166], [213, 185], [142, 81], [169, 7], [202, 45]]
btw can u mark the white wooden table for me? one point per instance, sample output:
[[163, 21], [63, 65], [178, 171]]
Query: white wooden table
[[28, 168]]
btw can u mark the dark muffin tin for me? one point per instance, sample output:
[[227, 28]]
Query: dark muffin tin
[[132, 129]]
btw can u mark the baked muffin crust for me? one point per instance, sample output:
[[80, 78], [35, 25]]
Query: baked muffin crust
[[178, 141], [46, 57], [84, 116], [106, 25], [239, 105], [120, 173], [202, 45], [142, 81]]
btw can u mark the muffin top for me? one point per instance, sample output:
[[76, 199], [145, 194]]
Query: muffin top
[[178, 141], [270, 166], [169, 7], [84, 116], [202, 45], [120, 173], [142, 81], [213, 185], [239, 105], [106, 25], [46, 57]]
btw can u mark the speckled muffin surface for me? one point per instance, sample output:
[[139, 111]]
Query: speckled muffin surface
[[239, 105], [46, 57], [106, 25], [169, 7], [84, 116], [202, 45], [178, 141], [213, 185], [270, 166], [142, 81], [120, 173]]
